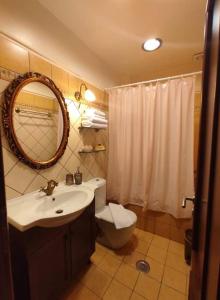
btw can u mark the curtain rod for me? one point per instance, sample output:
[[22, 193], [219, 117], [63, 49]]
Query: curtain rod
[[154, 80]]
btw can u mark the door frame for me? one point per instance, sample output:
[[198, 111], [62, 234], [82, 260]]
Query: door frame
[[204, 277], [6, 283]]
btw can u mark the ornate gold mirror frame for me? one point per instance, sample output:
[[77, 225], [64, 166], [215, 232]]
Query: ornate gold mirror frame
[[7, 117]]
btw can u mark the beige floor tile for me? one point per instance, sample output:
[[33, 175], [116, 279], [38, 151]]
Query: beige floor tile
[[135, 296], [174, 279], [159, 254], [176, 248], [109, 264], [156, 269], [96, 280], [177, 262], [101, 249], [160, 242], [144, 235], [136, 231], [117, 291], [127, 275], [167, 293], [142, 246], [81, 293], [147, 287], [118, 254], [133, 258], [97, 257]]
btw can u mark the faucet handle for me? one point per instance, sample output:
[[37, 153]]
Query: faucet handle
[[52, 183]]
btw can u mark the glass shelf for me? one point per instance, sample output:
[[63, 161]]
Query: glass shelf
[[92, 151], [96, 129]]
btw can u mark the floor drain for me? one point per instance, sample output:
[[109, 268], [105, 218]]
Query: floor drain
[[59, 211], [143, 266]]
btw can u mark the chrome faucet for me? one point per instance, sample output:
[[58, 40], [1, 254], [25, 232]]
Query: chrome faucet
[[51, 184]]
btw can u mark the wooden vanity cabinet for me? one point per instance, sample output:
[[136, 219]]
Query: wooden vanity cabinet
[[82, 240], [46, 260]]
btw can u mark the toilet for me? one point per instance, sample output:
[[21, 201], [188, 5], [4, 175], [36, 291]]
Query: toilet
[[108, 235]]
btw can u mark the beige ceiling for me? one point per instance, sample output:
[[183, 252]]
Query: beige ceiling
[[115, 29], [100, 40]]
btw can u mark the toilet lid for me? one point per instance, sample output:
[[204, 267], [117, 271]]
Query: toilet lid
[[105, 214]]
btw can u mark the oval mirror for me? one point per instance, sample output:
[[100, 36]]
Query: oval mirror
[[36, 120]]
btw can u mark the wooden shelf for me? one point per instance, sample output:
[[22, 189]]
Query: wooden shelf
[[93, 151]]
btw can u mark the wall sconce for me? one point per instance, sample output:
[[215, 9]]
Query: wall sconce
[[88, 95]]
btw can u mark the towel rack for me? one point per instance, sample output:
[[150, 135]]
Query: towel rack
[[33, 112]]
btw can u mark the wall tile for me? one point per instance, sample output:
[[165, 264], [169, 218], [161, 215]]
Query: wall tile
[[37, 64], [19, 177], [162, 229], [149, 224], [9, 160], [13, 56], [177, 234], [162, 218], [35, 185], [74, 85], [61, 79], [162, 224], [10, 193]]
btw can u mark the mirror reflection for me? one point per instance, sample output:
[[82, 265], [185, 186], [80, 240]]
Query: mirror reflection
[[38, 121]]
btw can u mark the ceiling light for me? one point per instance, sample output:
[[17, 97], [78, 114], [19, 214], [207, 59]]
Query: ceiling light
[[151, 44]]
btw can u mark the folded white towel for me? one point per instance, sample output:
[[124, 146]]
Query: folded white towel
[[120, 216], [94, 119], [96, 112], [99, 113], [93, 125]]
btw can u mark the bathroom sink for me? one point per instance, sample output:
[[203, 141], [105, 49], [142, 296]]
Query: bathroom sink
[[36, 209]]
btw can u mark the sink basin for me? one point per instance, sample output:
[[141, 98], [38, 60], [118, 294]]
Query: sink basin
[[36, 209]]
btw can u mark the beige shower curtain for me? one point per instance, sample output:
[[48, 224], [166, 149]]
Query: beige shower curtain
[[151, 145]]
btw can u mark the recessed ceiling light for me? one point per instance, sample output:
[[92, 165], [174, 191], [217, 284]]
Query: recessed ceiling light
[[151, 44]]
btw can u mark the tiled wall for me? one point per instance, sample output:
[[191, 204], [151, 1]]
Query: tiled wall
[[37, 134], [21, 179], [161, 223]]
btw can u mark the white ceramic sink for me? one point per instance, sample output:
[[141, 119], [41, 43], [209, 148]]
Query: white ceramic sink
[[36, 209]]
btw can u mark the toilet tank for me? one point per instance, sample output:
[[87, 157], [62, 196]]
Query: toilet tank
[[100, 192]]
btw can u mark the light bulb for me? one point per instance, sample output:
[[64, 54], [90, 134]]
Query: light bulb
[[151, 44], [89, 95]]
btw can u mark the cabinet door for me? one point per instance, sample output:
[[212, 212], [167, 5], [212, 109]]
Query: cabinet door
[[82, 239], [49, 269]]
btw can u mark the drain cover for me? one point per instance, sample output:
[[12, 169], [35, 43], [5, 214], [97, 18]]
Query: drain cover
[[59, 211], [143, 266]]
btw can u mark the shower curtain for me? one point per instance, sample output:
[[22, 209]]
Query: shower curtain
[[151, 146]]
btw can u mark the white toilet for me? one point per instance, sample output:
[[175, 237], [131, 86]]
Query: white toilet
[[108, 235]]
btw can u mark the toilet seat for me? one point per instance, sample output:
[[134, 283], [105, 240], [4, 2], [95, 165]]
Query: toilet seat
[[105, 215]]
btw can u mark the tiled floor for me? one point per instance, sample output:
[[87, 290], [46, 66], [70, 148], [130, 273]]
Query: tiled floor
[[112, 274]]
